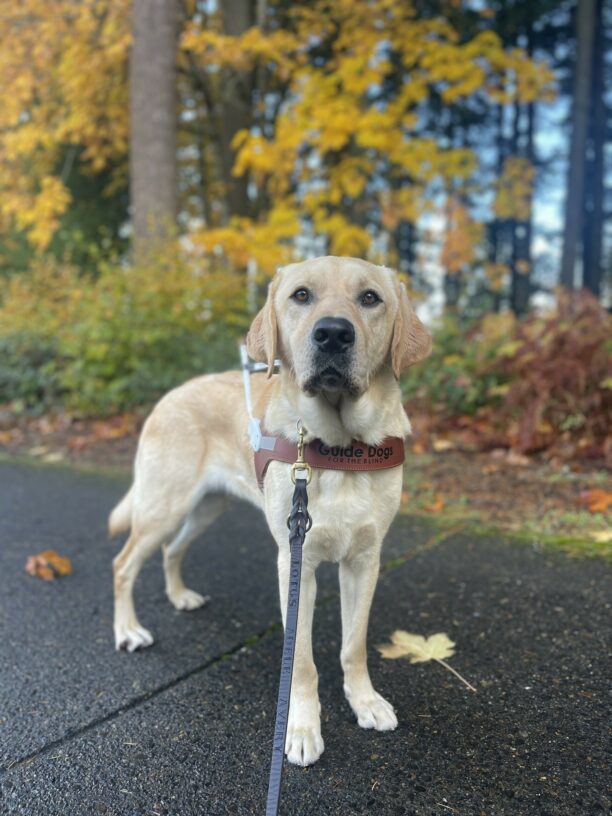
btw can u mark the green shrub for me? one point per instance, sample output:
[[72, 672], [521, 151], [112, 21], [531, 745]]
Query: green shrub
[[457, 378], [30, 367], [120, 338]]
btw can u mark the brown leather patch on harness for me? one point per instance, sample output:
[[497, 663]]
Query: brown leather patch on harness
[[357, 456]]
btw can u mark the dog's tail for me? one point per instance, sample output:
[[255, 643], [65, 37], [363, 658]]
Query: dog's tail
[[120, 519]]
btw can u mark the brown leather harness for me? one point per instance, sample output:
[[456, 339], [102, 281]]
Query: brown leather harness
[[358, 456]]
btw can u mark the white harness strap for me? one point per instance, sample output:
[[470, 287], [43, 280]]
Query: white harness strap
[[258, 440]]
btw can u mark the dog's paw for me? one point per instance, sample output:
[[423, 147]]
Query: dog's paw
[[373, 711], [304, 745], [131, 638], [188, 599]]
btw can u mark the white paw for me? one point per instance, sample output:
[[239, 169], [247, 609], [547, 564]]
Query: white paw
[[188, 599], [131, 638], [373, 711], [304, 745]]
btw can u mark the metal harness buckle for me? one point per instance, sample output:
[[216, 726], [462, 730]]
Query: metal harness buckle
[[301, 469]]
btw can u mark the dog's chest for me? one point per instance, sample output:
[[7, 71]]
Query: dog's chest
[[350, 511]]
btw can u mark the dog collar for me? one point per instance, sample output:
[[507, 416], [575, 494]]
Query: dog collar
[[357, 456]]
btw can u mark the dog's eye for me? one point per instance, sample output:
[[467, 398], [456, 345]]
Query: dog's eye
[[369, 298], [301, 296]]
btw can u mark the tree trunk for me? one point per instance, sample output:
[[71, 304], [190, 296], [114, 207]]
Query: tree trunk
[[405, 241], [585, 31], [523, 231], [594, 188], [153, 120], [235, 108]]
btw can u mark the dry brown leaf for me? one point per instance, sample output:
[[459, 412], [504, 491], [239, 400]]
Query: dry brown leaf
[[114, 428], [48, 565], [436, 505], [596, 500], [104, 430], [517, 459], [418, 448]]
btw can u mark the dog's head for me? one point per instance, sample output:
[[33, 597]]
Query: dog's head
[[336, 322]]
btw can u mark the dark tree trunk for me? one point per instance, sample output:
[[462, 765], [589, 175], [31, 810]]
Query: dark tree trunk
[[153, 120], [452, 291], [405, 242], [499, 251], [585, 35], [595, 171], [523, 231], [235, 108]]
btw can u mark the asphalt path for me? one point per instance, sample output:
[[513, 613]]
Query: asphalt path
[[185, 728]]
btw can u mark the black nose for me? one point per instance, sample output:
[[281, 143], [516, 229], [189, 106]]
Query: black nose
[[333, 334]]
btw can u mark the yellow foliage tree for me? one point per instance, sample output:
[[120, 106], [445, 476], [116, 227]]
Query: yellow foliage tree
[[514, 189], [337, 145], [345, 152], [62, 83]]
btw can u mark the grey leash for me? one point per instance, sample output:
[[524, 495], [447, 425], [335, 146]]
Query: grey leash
[[299, 522]]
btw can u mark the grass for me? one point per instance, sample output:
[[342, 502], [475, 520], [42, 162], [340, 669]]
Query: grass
[[537, 504], [448, 523]]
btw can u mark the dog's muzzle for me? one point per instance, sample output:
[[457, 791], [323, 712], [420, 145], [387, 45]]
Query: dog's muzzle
[[333, 339]]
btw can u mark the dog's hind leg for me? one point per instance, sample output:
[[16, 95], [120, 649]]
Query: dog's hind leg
[[139, 547], [203, 515]]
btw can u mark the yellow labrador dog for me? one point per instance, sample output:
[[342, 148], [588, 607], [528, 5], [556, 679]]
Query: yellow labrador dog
[[344, 330]]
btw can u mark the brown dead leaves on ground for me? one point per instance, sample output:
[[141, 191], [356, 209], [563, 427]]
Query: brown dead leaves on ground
[[596, 500], [62, 437], [104, 430], [48, 565]]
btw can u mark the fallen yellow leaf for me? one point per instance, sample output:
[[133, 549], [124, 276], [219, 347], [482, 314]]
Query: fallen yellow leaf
[[441, 445], [601, 536], [419, 650]]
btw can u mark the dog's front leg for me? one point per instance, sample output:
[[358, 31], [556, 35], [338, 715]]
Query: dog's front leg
[[358, 576], [304, 744]]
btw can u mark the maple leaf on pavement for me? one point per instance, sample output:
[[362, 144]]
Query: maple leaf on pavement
[[419, 650]]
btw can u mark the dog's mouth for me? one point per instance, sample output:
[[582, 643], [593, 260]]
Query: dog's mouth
[[331, 381]]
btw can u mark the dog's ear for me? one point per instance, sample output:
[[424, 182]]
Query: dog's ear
[[411, 341], [262, 339]]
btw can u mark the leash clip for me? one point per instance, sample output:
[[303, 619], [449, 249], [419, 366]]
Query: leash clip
[[301, 469]]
